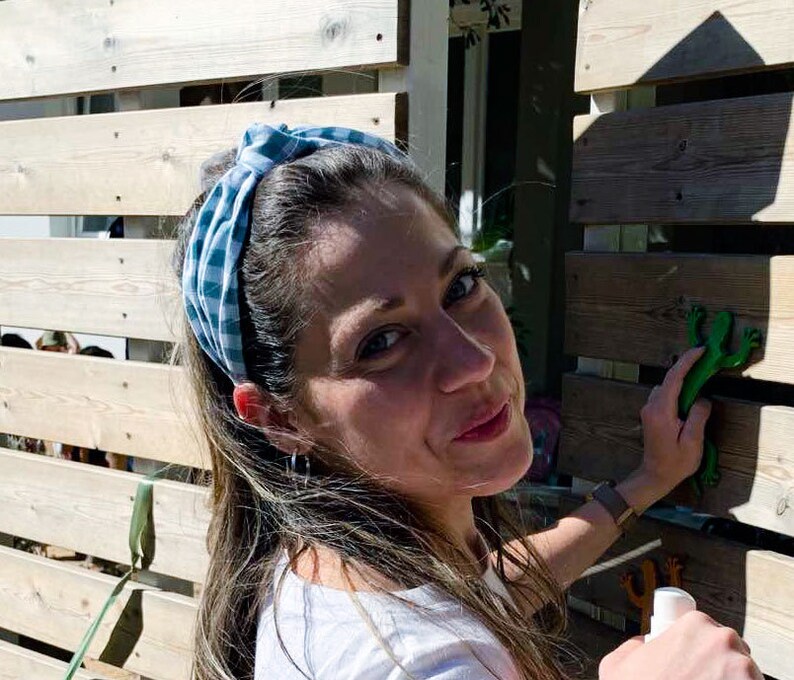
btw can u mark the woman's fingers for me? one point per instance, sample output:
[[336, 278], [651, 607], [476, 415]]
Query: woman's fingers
[[695, 425], [615, 658], [671, 385]]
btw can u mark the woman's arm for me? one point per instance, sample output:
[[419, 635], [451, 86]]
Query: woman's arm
[[673, 450], [575, 542]]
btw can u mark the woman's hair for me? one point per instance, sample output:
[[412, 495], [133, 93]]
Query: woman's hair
[[261, 506], [14, 340], [96, 351]]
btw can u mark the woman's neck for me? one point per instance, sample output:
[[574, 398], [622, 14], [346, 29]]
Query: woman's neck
[[323, 566]]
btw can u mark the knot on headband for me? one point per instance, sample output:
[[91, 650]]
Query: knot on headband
[[210, 272]]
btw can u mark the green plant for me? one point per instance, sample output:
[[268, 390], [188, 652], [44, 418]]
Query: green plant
[[498, 12]]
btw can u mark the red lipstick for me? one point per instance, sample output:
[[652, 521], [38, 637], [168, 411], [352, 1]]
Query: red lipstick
[[488, 430]]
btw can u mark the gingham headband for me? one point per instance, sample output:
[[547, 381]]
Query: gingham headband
[[209, 276]]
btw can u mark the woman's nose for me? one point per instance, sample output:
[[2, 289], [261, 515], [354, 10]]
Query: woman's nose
[[462, 358]]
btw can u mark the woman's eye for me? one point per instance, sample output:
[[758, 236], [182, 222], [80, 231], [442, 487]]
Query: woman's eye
[[464, 285], [379, 343]]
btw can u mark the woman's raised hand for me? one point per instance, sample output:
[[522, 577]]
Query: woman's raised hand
[[694, 648], [673, 448]]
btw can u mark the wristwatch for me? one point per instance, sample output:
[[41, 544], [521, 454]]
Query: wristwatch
[[623, 514]]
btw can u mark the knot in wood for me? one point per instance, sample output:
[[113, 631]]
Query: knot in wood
[[334, 29], [782, 506]]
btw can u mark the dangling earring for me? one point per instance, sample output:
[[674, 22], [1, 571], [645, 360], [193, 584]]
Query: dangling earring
[[292, 465]]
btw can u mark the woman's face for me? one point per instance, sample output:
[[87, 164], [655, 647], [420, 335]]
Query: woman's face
[[408, 351]]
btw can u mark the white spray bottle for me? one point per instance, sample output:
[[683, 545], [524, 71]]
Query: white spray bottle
[[669, 605]]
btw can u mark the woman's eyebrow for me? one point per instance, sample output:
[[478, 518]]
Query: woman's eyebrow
[[449, 260], [357, 316]]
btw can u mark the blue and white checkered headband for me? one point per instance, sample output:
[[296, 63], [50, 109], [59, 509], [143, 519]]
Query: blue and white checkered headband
[[210, 272]]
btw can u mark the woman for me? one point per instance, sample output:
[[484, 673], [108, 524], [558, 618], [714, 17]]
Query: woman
[[359, 387]]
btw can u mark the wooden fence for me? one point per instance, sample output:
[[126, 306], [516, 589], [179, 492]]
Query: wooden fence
[[642, 174], [137, 163]]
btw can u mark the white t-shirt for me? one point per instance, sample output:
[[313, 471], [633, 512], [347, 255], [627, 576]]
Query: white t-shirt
[[432, 636]]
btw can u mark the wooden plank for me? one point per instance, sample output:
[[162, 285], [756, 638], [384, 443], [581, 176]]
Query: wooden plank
[[749, 590], [633, 307], [632, 238], [593, 640], [602, 438], [79, 46], [147, 162], [137, 408], [55, 603], [624, 42], [97, 504], [730, 160], [425, 76], [119, 287], [17, 663]]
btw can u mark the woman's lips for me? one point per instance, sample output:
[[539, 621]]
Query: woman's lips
[[488, 430]]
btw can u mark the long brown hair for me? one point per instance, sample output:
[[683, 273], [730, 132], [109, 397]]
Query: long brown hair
[[260, 507]]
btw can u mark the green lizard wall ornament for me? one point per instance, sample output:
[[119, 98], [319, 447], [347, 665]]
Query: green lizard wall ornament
[[714, 359]]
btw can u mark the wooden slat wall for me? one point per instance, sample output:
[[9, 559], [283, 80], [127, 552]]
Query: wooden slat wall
[[78, 46], [130, 407], [121, 287], [135, 163], [730, 160], [55, 603], [17, 662], [84, 508], [633, 307], [602, 438], [624, 42], [147, 162], [750, 590], [709, 163]]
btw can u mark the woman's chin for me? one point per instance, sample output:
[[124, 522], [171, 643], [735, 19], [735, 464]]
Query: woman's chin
[[503, 467]]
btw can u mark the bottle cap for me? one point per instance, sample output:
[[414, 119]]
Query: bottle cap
[[669, 605]]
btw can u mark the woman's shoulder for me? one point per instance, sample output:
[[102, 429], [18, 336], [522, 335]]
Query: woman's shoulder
[[330, 633]]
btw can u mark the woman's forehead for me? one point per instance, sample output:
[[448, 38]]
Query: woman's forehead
[[357, 255]]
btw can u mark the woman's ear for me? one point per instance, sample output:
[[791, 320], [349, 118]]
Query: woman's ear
[[255, 408]]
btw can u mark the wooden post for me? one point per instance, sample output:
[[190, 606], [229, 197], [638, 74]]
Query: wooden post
[[475, 98], [542, 231], [425, 77]]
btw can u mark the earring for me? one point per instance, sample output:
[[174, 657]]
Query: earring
[[292, 465]]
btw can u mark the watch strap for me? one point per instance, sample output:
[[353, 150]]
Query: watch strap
[[622, 513]]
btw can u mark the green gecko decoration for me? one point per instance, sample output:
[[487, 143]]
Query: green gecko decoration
[[714, 359]]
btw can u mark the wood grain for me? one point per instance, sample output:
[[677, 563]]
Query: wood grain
[[592, 640], [55, 603], [17, 663], [633, 307], [137, 408], [147, 162], [730, 160], [749, 590], [78, 46], [602, 438], [118, 287], [88, 518], [624, 42]]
